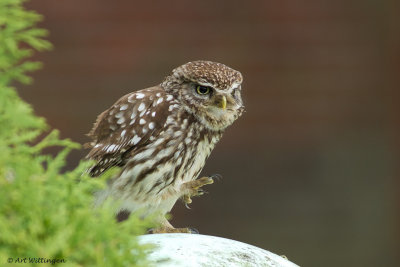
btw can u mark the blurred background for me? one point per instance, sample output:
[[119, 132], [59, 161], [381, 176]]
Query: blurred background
[[309, 170]]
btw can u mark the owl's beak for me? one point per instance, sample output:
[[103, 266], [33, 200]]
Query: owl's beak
[[222, 103]]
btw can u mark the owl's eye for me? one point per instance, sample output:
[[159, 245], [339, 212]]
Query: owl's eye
[[203, 90]]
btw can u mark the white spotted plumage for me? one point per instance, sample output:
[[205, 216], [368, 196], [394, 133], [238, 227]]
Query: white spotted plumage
[[139, 96], [135, 139], [141, 107]]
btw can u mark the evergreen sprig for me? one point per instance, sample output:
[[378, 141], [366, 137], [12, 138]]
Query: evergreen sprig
[[45, 213]]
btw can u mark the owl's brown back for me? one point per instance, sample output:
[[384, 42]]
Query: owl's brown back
[[127, 126]]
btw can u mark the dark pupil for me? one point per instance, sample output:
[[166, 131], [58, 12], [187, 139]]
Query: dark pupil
[[203, 89]]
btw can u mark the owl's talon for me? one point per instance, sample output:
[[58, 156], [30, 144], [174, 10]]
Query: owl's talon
[[186, 199], [202, 182], [151, 231], [193, 189], [165, 230], [193, 230], [216, 176], [199, 192]]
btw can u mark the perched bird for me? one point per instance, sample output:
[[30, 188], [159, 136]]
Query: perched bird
[[161, 137]]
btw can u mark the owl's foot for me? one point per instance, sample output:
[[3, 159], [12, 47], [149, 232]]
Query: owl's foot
[[193, 189], [166, 227], [165, 230]]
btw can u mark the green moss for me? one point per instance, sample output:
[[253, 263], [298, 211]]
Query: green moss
[[45, 213]]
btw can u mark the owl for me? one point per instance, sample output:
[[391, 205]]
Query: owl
[[160, 137]]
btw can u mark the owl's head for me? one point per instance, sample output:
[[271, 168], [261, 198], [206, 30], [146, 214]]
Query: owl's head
[[210, 91]]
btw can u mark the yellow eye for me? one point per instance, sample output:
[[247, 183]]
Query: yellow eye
[[203, 90]]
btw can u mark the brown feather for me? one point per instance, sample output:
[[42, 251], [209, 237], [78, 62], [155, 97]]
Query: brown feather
[[114, 133]]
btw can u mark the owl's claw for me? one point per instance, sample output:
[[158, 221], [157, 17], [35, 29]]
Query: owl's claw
[[187, 200], [193, 230], [196, 184], [216, 176], [199, 192], [193, 188], [163, 230]]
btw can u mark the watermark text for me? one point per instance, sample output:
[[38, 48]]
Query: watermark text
[[35, 260]]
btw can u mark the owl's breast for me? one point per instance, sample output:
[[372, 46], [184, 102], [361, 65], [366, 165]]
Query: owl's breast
[[197, 146], [177, 156]]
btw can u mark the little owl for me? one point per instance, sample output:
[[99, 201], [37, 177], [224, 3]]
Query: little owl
[[161, 137]]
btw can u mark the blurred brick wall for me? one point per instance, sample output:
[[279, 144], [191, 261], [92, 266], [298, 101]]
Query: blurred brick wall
[[309, 169]]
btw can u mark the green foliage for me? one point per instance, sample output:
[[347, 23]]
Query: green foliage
[[45, 213], [15, 31]]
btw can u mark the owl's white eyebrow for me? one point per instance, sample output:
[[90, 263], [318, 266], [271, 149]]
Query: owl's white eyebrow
[[204, 84], [234, 86]]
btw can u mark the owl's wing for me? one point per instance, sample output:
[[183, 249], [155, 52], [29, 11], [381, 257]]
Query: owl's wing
[[127, 126]]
